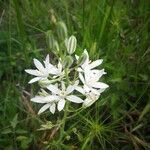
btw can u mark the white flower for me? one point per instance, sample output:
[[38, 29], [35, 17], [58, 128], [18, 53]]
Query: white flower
[[92, 97], [90, 81], [64, 94], [43, 72], [91, 88], [49, 101], [88, 64], [89, 76]]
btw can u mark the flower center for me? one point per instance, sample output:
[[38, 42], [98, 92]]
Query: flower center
[[63, 94]]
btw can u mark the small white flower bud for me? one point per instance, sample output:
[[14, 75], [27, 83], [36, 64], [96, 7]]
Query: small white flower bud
[[71, 44]]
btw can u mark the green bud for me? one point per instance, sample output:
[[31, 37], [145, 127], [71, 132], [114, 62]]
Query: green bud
[[68, 62], [62, 30], [50, 39], [82, 59], [75, 130], [56, 46], [71, 44], [51, 42], [68, 137]]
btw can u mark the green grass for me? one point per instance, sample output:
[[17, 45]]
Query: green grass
[[115, 30]]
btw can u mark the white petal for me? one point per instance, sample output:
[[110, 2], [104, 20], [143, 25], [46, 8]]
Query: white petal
[[38, 99], [46, 62], [80, 89], [96, 63], [38, 65], [46, 106], [80, 69], [76, 83], [74, 99], [56, 84], [97, 74], [87, 74], [61, 104], [47, 58], [101, 90], [77, 57], [86, 88], [70, 89], [100, 85], [49, 67], [53, 70], [53, 108], [88, 102], [33, 72], [95, 91], [34, 80], [81, 78], [53, 88], [51, 98]]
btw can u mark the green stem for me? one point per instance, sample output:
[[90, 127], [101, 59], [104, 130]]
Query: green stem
[[62, 128], [67, 77], [75, 74], [86, 142]]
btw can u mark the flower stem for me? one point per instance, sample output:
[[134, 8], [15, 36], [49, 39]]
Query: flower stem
[[62, 128]]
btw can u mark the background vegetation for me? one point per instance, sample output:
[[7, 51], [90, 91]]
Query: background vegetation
[[115, 30]]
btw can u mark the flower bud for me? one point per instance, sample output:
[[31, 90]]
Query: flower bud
[[68, 62], [56, 46], [52, 16], [62, 30], [71, 44], [50, 39], [68, 137], [82, 59]]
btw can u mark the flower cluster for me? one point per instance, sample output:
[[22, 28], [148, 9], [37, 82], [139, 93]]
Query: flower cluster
[[75, 79]]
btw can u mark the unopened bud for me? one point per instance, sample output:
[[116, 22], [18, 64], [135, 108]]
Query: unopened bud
[[68, 137], [50, 39], [68, 62], [75, 130], [62, 30], [56, 46], [82, 59], [52, 16], [71, 44]]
